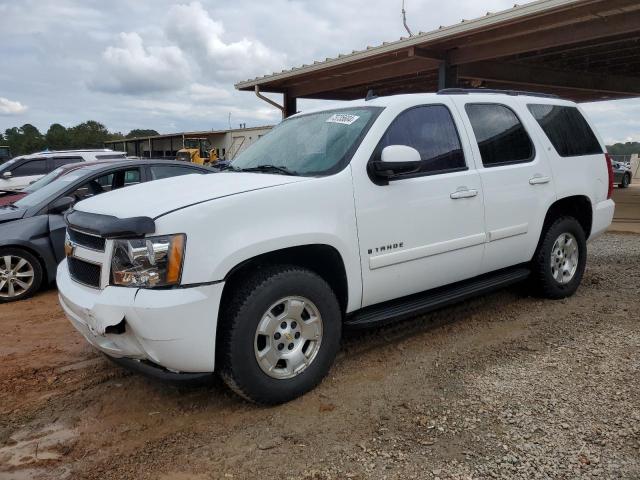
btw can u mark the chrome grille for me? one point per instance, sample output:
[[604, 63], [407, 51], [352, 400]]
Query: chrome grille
[[85, 240]]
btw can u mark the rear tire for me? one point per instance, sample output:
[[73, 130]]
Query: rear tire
[[559, 262], [626, 180], [20, 274], [279, 334]]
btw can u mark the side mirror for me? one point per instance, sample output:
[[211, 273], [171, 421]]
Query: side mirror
[[396, 160], [61, 205], [7, 175]]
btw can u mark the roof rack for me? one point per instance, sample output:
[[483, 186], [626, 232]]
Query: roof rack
[[466, 91]]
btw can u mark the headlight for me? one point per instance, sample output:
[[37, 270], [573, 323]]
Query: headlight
[[148, 262]]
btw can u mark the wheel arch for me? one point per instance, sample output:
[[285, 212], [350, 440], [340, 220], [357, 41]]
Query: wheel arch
[[325, 260], [576, 206]]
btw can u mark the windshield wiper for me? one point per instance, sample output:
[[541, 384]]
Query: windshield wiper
[[269, 168]]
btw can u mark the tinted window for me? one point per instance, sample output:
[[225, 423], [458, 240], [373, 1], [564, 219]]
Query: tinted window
[[93, 187], [60, 161], [131, 177], [431, 131], [567, 130], [159, 172], [31, 167], [501, 137], [111, 156]]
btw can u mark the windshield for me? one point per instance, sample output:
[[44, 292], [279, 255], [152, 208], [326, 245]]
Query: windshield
[[46, 180], [5, 166], [314, 144], [49, 191]]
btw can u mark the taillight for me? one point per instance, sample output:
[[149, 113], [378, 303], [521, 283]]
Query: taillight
[[610, 170]]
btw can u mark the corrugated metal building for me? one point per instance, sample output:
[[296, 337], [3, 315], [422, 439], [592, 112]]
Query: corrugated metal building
[[228, 143]]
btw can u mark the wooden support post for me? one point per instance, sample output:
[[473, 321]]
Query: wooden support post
[[290, 105], [447, 75]]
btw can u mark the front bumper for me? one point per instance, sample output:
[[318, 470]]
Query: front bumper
[[175, 328]]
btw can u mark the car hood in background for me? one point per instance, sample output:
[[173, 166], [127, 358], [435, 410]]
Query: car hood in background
[[7, 213], [7, 198], [152, 199]]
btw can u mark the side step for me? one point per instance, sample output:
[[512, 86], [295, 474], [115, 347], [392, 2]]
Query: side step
[[424, 302]]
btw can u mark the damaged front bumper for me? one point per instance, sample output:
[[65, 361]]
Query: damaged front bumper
[[173, 328]]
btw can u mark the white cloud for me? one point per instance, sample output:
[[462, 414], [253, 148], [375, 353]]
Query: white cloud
[[192, 29], [9, 107], [134, 68], [200, 92]]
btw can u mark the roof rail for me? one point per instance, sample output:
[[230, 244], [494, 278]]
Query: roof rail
[[466, 91]]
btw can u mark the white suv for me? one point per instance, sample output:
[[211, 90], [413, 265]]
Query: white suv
[[342, 218], [19, 172]]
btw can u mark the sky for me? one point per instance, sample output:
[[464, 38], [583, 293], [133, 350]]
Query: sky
[[171, 65]]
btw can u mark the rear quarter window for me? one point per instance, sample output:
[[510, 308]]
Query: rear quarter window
[[566, 129]]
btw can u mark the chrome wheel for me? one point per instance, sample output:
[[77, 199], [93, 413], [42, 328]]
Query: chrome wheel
[[16, 276], [564, 258], [288, 337]]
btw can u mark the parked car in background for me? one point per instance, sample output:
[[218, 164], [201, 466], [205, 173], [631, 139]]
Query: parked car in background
[[17, 173], [340, 218], [32, 229], [622, 174]]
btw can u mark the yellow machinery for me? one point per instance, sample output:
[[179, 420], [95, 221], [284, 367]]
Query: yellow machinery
[[197, 150]]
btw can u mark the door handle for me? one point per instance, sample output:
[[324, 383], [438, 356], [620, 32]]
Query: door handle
[[539, 180], [465, 193]]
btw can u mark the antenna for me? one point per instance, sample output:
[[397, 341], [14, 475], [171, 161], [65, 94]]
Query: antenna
[[229, 120], [404, 20]]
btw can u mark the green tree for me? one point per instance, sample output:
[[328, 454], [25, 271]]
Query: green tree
[[90, 134], [139, 132], [57, 137], [628, 148], [25, 139]]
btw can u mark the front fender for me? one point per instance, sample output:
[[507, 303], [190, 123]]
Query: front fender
[[32, 234], [226, 232]]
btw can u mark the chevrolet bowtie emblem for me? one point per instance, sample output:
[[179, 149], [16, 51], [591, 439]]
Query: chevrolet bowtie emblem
[[68, 249]]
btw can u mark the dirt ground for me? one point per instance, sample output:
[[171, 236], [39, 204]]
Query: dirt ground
[[627, 214], [504, 386]]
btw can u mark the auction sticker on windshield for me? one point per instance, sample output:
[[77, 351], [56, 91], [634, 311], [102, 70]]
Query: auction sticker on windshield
[[343, 118]]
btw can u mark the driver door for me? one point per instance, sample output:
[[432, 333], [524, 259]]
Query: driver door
[[424, 229]]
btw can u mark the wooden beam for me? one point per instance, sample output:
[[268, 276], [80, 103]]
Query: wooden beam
[[522, 74], [411, 66], [628, 22], [290, 105]]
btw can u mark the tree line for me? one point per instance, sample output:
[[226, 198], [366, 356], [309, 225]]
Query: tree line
[[628, 148], [90, 134]]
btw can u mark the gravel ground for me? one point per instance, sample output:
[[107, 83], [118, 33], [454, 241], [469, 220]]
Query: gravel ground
[[504, 386]]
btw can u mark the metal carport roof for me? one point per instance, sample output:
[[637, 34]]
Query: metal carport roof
[[584, 50]]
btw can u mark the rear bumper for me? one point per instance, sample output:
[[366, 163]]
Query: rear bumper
[[602, 218], [175, 329]]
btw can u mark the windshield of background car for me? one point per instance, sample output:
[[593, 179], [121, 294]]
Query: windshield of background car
[[46, 180], [6, 166], [49, 191], [315, 144]]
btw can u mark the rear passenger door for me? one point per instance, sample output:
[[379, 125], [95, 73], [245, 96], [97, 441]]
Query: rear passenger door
[[424, 229], [516, 179]]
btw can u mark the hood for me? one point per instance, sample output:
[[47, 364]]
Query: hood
[[8, 213], [152, 199]]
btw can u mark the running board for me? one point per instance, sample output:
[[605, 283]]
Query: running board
[[421, 303]]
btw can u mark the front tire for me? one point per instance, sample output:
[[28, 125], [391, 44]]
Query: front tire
[[20, 274], [559, 262], [279, 335]]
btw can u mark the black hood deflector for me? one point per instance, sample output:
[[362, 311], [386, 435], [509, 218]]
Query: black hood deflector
[[107, 226]]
